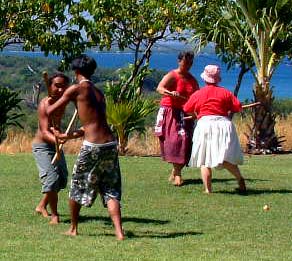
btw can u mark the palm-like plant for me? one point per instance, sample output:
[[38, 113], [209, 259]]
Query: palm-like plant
[[128, 116], [127, 108], [9, 104], [263, 28], [249, 32]]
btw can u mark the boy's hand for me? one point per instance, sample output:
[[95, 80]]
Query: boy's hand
[[62, 137], [50, 100]]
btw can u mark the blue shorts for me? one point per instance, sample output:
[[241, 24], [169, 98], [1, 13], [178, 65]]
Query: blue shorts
[[52, 177], [96, 170]]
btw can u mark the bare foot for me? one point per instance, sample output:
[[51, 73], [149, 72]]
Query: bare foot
[[242, 187], [120, 236], [42, 211], [71, 232], [171, 178], [178, 181], [54, 220]]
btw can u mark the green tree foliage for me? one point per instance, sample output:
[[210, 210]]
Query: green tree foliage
[[68, 27], [137, 25], [9, 110], [43, 24]]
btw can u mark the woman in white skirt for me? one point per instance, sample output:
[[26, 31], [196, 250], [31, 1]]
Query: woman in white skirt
[[215, 141]]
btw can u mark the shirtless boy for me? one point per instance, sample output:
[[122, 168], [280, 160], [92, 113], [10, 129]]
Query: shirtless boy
[[97, 166], [53, 177]]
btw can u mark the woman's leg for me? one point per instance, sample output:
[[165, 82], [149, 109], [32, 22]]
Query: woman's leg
[[234, 170], [176, 174], [206, 174]]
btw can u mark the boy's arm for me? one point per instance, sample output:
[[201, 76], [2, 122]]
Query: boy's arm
[[44, 125], [63, 137], [68, 95]]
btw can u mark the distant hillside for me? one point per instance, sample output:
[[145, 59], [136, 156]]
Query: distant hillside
[[21, 73]]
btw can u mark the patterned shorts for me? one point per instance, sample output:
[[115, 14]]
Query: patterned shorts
[[96, 170]]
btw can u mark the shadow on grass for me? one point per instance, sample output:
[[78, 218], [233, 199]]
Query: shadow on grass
[[192, 182], [258, 191], [214, 180], [155, 234], [107, 220], [152, 234]]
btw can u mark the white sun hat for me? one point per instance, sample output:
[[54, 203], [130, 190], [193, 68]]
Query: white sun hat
[[211, 74]]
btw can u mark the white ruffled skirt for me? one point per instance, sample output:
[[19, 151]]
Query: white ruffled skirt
[[214, 141]]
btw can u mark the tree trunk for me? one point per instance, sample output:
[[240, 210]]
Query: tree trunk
[[243, 69], [123, 141], [262, 138]]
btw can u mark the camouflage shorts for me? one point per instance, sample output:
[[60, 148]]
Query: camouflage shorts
[[96, 170]]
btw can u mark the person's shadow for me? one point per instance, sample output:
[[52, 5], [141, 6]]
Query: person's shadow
[[153, 234], [216, 180], [107, 220], [250, 191], [138, 234]]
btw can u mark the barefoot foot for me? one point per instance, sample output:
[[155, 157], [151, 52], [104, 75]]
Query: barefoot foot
[[241, 186], [178, 181], [42, 211], [54, 220], [171, 178], [71, 232], [120, 235]]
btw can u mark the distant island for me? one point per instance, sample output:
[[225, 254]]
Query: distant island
[[162, 46]]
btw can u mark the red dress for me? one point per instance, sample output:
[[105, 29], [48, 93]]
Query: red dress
[[175, 134]]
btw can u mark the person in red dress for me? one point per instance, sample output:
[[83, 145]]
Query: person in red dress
[[175, 133]]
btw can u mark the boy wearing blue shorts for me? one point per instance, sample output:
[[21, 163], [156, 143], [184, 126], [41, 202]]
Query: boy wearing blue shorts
[[53, 177]]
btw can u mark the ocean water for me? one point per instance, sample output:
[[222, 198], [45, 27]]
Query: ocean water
[[281, 81]]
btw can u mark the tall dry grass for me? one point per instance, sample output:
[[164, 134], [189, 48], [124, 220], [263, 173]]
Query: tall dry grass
[[17, 142], [283, 128], [146, 144]]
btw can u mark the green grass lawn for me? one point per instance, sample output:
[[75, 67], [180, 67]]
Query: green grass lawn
[[162, 222]]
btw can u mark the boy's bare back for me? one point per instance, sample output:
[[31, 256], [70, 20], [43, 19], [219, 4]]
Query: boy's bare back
[[91, 108], [90, 105]]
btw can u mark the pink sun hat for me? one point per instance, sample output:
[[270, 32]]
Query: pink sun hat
[[211, 74]]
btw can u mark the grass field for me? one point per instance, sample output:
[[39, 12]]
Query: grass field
[[162, 222]]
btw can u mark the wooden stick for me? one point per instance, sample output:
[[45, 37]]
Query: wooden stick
[[243, 106], [179, 96], [187, 117], [250, 105], [67, 131], [46, 80]]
